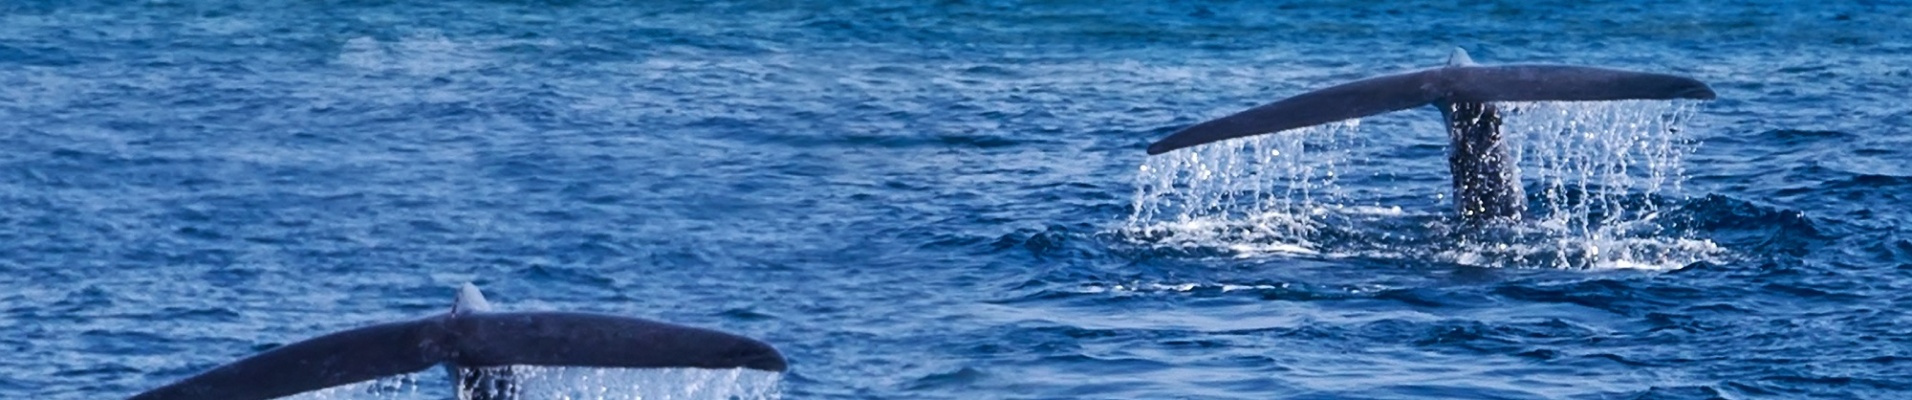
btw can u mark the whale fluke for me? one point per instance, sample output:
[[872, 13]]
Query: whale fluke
[[340, 358], [1486, 183], [597, 340], [1565, 83], [1460, 82], [466, 339], [1341, 102]]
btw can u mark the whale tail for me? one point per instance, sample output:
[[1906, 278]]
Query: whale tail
[[335, 359], [595, 340], [1461, 81], [1341, 102], [470, 337]]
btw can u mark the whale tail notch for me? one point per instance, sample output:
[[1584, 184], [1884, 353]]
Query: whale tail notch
[[469, 336], [1461, 81], [470, 300], [1459, 58]]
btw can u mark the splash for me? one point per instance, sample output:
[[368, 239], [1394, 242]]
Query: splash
[[1602, 170], [578, 383], [1598, 173], [1256, 194]]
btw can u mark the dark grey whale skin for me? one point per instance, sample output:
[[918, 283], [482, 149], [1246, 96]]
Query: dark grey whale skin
[[1486, 186], [466, 341]]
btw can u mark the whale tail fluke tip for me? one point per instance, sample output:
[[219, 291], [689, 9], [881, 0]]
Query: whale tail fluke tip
[[1701, 92]]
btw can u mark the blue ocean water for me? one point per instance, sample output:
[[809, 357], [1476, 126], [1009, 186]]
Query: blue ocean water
[[951, 199]]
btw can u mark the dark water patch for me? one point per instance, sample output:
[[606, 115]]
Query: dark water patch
[[1889, 360], [1679, 392], [1419, 298], [887, 140], [1887, 251], [1869, 183], [1807, 292], [41, 56], [990, 71], [1469, 335], [1053, 241], [568, 275], [89, 300], [1619, 359], [964, 377], [1793, 136], [747, 315], [1718, 308], [1745, 225], [1620, 297], [233, 276], [1105, 365], [1683, 324], [1820, 385], [200, 314], [125, 343], [97, 372]]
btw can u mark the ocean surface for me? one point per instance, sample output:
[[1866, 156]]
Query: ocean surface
[[944, 200]]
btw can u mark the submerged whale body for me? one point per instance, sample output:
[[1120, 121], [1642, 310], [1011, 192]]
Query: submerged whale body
[[467, 340], [1486, 186]]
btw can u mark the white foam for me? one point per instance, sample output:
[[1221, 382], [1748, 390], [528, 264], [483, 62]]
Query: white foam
[[1266, 233], [1651, 254], [1157, 287]]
